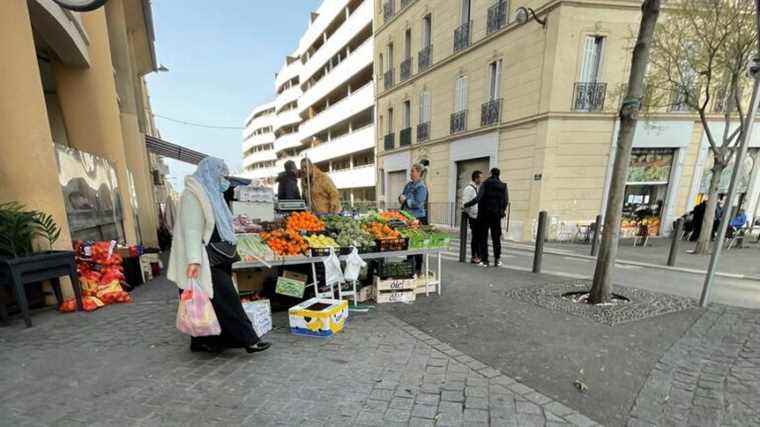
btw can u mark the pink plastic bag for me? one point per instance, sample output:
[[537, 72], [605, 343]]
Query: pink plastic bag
[[195, 314]]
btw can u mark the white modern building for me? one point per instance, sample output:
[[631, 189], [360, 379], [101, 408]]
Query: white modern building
[[324, 104]]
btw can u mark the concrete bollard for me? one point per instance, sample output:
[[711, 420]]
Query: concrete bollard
[[675, 242], [595, 242], [540, 237], [463, 238]]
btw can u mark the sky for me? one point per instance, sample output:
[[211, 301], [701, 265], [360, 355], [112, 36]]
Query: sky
[[222, 57]]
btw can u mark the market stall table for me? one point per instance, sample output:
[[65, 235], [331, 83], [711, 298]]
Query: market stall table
[[302, 260]]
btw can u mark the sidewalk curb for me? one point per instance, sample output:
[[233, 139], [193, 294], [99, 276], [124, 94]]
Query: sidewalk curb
[[529, 248]]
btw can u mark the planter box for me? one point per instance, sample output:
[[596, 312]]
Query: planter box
[[318, 317]]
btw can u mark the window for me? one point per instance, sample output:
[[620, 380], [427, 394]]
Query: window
[[592, 59], [389, 120], [460, 94], [381, 64], [465, 15], [427, 26], [424, 107], [389, 56], [407, 117], [408, 44], [495, 80]]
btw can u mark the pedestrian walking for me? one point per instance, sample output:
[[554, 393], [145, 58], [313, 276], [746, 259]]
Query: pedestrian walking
[[413, 199], [699, 216], [470, 209], [493, 197], [203, 250]]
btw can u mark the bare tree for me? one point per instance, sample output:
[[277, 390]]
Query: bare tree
[[629, 111], [699, 59]]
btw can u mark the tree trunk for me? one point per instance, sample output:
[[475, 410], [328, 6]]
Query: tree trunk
[[705, 235], [602, 285]]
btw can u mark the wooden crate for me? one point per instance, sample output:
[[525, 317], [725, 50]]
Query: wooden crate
[[407, 296], [395, 284], [432, 286]]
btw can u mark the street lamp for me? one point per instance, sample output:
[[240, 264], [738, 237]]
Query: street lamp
[[80, 5], [524, 14]]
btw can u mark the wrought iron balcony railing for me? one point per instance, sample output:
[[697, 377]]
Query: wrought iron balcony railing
[[490, 112], [462, 36], [389, 141], [389, 9], [423, 132], [497, 17], [388, 79], [405, 137], [459, 121], [589, 96], [405, 69], [425, 58]]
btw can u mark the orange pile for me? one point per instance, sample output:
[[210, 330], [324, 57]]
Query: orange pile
[[305, 221], [381, 231], [285, 242], [391, 215]]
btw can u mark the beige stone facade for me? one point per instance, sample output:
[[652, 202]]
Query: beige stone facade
[[556, 103], [76, 80]]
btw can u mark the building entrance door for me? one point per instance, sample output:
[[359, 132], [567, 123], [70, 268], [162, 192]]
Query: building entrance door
[[465, 168]]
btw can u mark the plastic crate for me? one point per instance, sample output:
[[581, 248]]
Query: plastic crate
[[392, 245], [320, 252], [396, 270]]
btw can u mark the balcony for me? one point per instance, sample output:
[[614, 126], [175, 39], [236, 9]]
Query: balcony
[[405, 69], [357, 177], [352, 142], [459, 122], [284, 142], [286, 118], [490, 112], [462, 36], [425, 58], [405, 137], [389, 141], [388, 79], [589, 96], [359, 100], [497, 17], [389, 9], [423, 132]]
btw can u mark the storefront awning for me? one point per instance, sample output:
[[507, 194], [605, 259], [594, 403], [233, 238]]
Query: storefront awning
[[173, 151]]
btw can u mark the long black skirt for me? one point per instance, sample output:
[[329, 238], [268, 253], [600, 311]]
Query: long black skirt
[[237, 330]]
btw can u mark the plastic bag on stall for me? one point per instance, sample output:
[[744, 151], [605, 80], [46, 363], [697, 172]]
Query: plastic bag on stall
[[333, 273], [354, 265], [195, 314]]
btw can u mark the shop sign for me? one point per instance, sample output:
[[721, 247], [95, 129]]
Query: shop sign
[[650, 165], [291, 284]]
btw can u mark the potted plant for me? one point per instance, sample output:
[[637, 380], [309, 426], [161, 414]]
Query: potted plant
[[26, 254]]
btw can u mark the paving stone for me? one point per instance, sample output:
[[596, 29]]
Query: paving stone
[[476, 415], [450, 407], [538, 398], [380, 394], [476, 391], [558, 408], [525, 407], [580, 420], [520, 388], [428, 399], [401, 403], [424, 411], [397, 415], [476, 403], [452, 396], [421, 422]]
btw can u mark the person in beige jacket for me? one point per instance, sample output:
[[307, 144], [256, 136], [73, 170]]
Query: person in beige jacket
[[318, 189]]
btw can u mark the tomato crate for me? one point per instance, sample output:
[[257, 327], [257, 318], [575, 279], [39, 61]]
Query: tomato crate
[[392, 245]]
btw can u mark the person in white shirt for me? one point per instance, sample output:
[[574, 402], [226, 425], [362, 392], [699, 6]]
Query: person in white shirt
[[470, 193]]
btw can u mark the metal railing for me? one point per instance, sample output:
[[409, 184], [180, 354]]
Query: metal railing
[[589, 96], [425, 58], [462, 36], [389, 9], [497, 17], [459, 121], [490, 112], [405, 69], [405, 137], [423, 132], [388, 79], [389, 141]]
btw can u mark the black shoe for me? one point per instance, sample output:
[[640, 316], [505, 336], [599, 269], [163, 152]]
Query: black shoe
[[259, 346], [206, 348]]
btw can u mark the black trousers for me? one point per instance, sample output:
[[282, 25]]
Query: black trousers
[[418, 259], [237, 329], [475, 238], [489, 223]]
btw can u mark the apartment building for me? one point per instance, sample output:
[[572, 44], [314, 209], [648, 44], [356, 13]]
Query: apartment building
[[73, 117], [531, 87], [324, 103]]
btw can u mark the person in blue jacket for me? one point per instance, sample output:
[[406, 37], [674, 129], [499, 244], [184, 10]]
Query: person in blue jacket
[[414, 200]]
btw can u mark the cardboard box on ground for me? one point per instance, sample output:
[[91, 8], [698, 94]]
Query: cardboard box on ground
[[251, 281]]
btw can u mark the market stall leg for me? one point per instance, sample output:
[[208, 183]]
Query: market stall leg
[[427, 273], [440, 278], [314, 278]]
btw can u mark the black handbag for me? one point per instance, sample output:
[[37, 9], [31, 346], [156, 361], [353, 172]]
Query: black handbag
[[221, 253]]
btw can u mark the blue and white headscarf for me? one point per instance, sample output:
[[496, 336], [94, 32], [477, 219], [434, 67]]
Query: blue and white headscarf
[[211, 174]]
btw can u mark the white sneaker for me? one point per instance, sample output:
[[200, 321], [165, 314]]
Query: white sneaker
[[497, 263]]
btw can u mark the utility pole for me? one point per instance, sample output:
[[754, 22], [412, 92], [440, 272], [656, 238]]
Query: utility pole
[[754, 71]]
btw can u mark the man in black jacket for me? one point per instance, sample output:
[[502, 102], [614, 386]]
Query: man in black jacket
[[287, 182], [492, 200]]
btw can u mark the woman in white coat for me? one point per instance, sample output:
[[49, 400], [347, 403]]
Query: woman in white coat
[[204, 249]]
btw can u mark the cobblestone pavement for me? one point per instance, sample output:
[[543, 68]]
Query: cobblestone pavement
[[127, 365], [710, 377]]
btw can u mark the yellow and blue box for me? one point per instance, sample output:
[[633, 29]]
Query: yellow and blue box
[[318, 317]]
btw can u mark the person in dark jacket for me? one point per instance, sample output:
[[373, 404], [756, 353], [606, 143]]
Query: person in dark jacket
[[699, 216], [492, 200], [287, 182]]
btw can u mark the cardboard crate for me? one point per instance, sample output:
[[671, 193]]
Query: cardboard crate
[[318, 317], [260, 314], [407, 296], [395, 284], [250, 281], [291, 284]]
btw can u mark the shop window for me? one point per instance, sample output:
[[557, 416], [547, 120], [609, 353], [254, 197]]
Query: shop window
[[646, 191]]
